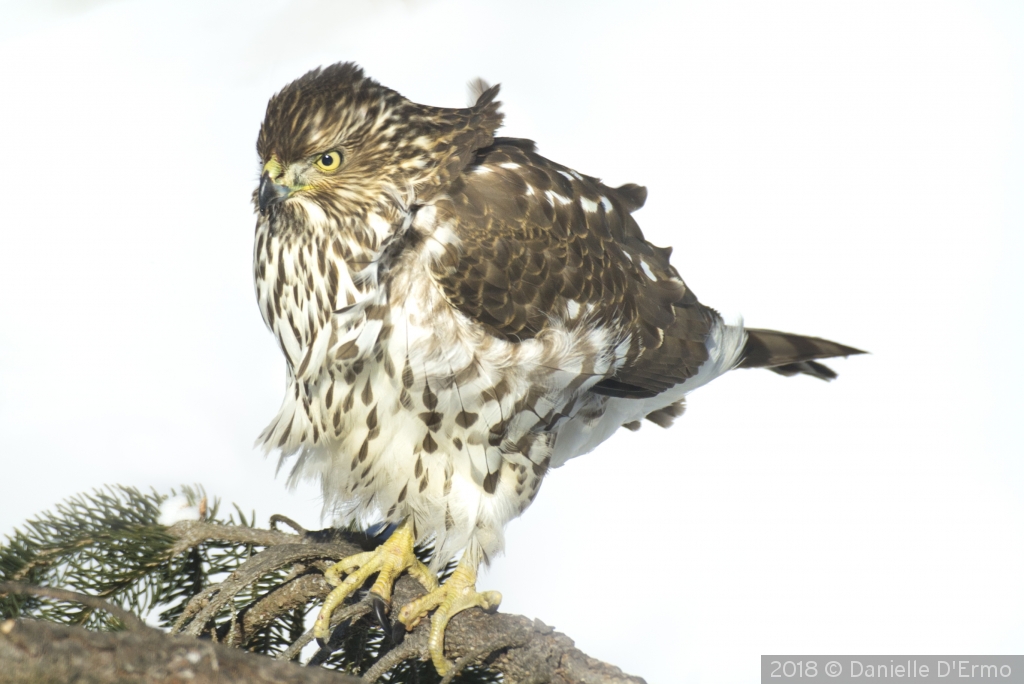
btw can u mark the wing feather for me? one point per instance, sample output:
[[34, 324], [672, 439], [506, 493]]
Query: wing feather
[[538, 243]]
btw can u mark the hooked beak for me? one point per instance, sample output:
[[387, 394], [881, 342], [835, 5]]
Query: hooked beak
[[271, 193]]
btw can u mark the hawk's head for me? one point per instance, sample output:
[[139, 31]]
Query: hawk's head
[[345, 143]]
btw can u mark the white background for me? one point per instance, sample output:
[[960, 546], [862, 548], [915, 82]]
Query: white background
[[847, 170]]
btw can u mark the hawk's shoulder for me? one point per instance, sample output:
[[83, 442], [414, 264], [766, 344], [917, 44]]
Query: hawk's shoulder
[[525, 243]]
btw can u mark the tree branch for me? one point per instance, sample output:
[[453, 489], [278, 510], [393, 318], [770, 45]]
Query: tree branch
[[193, 532], [262, 563], [34, 651], [523, 650], [130, 620]]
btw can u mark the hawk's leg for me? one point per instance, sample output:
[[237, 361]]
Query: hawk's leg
[[452, 597], [389, 560]]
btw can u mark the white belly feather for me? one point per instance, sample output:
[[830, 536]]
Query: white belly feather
[[405, 407]]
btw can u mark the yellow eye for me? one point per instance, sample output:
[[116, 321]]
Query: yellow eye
[[328, 161]]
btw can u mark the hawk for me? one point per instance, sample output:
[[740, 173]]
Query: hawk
[[459, 315]]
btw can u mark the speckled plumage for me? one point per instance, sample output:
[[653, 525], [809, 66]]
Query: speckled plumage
[[460, 314]]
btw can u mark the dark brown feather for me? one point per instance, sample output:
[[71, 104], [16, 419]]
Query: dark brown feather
[[789, 354], [535, 236]]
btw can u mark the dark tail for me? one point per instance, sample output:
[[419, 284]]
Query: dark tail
[[789, 354]]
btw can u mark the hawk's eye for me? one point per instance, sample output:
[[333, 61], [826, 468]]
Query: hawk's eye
[[329, 161]]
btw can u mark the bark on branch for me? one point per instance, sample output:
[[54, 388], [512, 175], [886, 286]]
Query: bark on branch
[[33, 652]]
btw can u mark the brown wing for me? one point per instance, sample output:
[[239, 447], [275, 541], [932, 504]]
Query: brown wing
[[539, 241]]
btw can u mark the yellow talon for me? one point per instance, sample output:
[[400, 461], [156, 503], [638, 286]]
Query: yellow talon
[[451, 598], [389, 560]]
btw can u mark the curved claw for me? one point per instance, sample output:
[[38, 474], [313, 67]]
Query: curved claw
[[387, 561], [451, 598], [332, 637], [380, 609]]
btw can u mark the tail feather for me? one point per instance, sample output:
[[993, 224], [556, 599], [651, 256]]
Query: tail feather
[[789, 354]]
